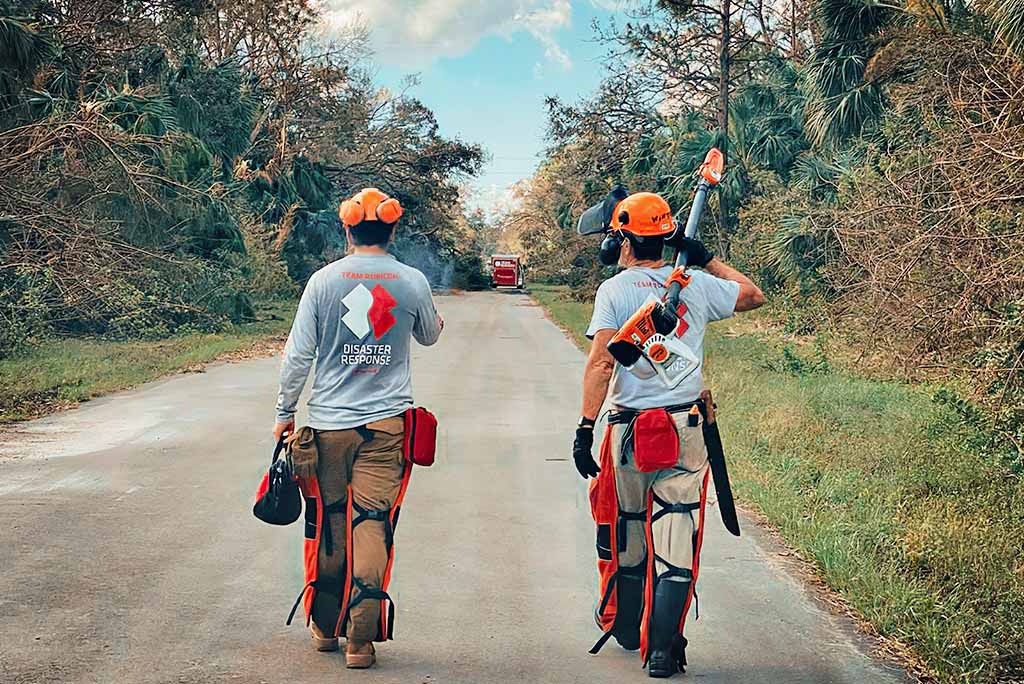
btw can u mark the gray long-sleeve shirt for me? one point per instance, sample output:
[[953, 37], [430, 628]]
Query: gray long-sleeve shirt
[[355, 319]]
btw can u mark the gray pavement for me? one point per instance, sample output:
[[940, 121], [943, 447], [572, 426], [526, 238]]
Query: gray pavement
[[128, 552]]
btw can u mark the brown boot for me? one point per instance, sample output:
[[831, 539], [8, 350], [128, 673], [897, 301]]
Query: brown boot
[[320, 641], [359, 655]]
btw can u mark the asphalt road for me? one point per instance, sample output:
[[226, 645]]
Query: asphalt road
[[128, 552]]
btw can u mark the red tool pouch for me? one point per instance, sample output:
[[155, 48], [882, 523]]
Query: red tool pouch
[[420, 436], [655, 441]]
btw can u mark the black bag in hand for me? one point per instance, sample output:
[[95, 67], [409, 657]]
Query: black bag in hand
[[278, 500]]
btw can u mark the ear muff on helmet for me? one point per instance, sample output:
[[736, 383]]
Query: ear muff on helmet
[[611, 247], [351, 212], [389, 211], [369, 205]]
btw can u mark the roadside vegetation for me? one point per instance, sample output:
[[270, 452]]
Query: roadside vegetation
[[873, 186], [168, 166], [63, 372], [894, 498]]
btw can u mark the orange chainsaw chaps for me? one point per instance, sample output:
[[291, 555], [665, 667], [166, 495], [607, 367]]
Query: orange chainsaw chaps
[[604, 507], [346, 593], [645, 621], [696, 550], [314, 514], [386, 627], [315, 519]]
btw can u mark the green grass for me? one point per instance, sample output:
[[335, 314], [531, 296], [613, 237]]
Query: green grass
[[571, 316], [63, 372], [880, 487]]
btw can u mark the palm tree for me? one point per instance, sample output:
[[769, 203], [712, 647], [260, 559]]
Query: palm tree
[[22, 50], [842, 103]]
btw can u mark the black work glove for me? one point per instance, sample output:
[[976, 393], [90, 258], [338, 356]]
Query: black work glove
[[696, 253], [581, 453]]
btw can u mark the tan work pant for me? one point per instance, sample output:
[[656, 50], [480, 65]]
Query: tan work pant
[[371, 460], [674, 535]]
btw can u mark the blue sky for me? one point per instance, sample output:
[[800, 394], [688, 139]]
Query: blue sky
[[486, 67]]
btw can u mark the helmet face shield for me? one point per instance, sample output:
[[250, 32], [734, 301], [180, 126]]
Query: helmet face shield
[[598, 218], [621, 215]]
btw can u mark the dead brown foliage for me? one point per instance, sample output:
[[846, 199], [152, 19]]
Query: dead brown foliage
[[931, 230], [69, 188]]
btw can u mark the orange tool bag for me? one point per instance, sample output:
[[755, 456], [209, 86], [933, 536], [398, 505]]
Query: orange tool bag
[[419, 448]]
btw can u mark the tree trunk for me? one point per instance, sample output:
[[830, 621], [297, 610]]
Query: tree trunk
[[724, 63], [794, 46]]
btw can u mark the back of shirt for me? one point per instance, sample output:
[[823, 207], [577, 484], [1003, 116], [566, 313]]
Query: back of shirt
[[355, 319], [707, 299]]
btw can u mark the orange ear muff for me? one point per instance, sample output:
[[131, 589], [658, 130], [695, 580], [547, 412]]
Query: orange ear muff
[[389, 211], [351, 212]]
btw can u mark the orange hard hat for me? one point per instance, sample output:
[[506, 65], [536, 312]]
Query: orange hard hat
[[369, 204], [644, 214]]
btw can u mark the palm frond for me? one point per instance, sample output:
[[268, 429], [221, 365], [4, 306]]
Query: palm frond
[[137, 112], [852, 20], [831, 119], [21, 45], [794, 248], [1008, 23]]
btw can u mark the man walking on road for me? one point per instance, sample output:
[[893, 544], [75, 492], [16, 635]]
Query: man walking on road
[[649, 492], [355, 319]]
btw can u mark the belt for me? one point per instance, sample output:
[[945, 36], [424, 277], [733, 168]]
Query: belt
[[625, 417]]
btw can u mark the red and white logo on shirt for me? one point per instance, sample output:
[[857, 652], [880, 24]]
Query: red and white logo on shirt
[[369, 310]]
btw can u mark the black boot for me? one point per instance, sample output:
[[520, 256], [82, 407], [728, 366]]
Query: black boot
[[630, 596], [668, 648]]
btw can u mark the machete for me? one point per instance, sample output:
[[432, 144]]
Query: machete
[[719, 471]]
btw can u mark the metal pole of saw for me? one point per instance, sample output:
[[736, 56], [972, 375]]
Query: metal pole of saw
[[700, 198]]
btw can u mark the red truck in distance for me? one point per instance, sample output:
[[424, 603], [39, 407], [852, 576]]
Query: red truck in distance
[[507, 271]]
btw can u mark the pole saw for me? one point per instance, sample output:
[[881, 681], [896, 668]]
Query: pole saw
[[650, 342]]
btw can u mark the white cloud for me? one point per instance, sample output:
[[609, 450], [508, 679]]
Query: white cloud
[[412, 33], [493, 199], [542, 22], [615, 5]]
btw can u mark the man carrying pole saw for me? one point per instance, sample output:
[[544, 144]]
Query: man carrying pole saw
[[661, 445]]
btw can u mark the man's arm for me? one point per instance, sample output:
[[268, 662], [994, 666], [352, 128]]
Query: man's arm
[[597, 374], [428, 324], [750, 296], [299, 354]]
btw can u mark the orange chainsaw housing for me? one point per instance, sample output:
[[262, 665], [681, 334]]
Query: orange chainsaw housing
[[651, 319]]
